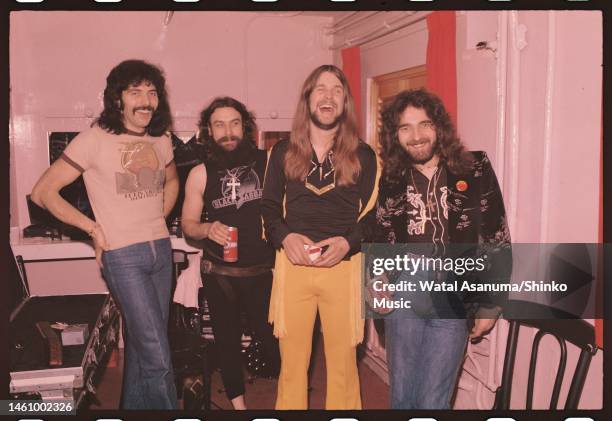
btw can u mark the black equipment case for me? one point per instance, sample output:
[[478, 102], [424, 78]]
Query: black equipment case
[[72, 378]]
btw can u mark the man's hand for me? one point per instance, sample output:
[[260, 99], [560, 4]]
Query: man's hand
[[293, 244], [218, 232], [481, 327], [371, 293], [99, 241], [336, 250]]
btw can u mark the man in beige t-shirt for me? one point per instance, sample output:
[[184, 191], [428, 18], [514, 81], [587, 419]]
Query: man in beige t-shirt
[[127, 163], [124, 176]]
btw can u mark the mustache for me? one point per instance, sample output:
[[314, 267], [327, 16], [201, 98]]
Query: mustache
[[146, 108], [418, 142], [225, 139], [315, 119], [326, 103], [215, 152]]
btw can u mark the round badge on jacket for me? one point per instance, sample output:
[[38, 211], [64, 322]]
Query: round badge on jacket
[[461, 185]]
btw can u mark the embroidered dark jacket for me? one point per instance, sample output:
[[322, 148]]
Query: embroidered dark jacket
[[476, 215]]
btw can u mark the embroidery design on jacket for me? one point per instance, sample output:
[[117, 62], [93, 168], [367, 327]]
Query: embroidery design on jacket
[[142, 176], [444, 201], [239, 185], [391, 207], [416, 224]]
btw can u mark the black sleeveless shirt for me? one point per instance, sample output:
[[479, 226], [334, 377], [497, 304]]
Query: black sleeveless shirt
[[233, 196]]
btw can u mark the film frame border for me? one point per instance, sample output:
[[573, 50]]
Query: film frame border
[[328, 5]]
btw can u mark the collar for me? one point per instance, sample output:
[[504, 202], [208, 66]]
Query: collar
[[328, 155], [133, 133]]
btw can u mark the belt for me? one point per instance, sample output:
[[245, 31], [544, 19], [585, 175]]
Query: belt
[[206, 266]]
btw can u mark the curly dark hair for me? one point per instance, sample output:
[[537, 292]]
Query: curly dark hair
[[249, 128], [133, 73], [448, 146]]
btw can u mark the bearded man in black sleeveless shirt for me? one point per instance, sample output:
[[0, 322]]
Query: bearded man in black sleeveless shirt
[[228, 186]]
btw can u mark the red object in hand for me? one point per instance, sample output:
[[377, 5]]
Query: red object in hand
[[313, 252], [230, 250]]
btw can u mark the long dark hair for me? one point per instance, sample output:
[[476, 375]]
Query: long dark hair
[[132, 73], [249, 127], [299, 151], [448, 146]]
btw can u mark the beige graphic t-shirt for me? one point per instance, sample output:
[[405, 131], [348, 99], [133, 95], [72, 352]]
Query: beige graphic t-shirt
[[124, 176]]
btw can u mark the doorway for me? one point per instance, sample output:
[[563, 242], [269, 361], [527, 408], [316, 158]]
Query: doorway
[[384, 88]]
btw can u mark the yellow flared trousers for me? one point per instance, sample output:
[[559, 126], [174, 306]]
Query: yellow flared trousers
[[306, 290]]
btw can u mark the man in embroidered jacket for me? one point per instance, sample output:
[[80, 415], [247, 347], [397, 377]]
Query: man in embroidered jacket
[[433, 193]]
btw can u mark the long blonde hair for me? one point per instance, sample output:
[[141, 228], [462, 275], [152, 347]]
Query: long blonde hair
[[299, 151]]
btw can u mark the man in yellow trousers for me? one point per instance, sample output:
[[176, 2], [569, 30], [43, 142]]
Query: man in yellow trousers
[[317, 186]]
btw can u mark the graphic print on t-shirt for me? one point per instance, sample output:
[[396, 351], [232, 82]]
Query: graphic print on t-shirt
[[142, 177], [238, 186]]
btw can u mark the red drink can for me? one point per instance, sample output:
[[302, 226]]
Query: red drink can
[[230, 250]]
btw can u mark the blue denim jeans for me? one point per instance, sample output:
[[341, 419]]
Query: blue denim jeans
[[139, 277], [424, 357]]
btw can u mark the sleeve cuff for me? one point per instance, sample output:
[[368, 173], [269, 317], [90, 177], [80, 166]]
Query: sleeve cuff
[[482, 311], [70, 162], [279, 235], [354, 239]]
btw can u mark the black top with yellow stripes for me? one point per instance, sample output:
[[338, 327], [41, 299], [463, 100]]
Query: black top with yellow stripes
[[317, 207]]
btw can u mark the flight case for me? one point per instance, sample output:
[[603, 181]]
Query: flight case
[[41, 367]]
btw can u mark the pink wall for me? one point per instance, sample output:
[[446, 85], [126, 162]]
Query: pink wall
[[575, 119], [476, 81], [59, 62], [571, 198]]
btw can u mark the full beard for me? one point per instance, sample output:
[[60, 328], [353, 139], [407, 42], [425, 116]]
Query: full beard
[[324, 126], [422, 156], [230, 159]]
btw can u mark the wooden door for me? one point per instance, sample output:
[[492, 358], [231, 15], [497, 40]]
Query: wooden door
[[385, 87]]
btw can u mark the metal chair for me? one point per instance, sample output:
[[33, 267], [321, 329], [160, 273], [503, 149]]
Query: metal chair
[[563, 328]]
